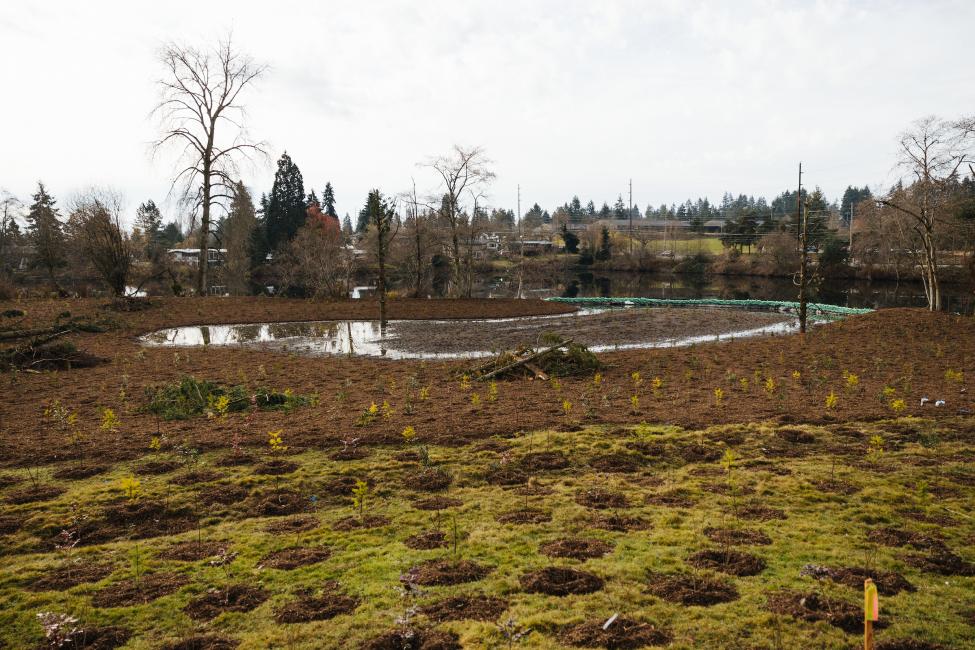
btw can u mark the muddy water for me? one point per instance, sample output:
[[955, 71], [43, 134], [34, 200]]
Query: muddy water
[[600, 329]]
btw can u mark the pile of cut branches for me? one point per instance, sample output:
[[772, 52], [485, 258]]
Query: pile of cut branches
[[557, 357], [43, 350]]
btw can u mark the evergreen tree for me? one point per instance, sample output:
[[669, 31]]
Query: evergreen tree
[[170, 235], [534, 217], [238, 236], [312, 200], [328, 201], [619, 209], [571, 240], [284, 212], [149, 220], [346, 225], [605, 247], [46, 232]]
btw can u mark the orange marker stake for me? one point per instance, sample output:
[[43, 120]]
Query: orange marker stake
[[871, 612]]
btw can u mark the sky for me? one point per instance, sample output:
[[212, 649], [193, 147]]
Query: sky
[[685, 98]]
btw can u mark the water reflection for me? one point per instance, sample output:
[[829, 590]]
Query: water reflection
[[367, 338]]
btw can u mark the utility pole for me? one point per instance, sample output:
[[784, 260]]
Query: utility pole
[[801, 233], [631, 217], [521, 239]]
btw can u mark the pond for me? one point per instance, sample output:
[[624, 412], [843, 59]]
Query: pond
[[600, 329]]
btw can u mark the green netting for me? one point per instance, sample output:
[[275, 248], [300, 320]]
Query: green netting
[[815, 309]]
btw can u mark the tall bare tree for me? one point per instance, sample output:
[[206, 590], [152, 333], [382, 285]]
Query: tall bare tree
[[200, 105], [419, 241], [932, 151], [463, 169]]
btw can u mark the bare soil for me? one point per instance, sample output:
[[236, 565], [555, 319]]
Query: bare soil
[[192, 551], [602, 499], [308, 607], [622, 634], [414, 639], [476, 607], [576, 548], [525, 516], [71, 574], [299, 524], [812, 607], [130, 592], [560, 581], [203, 642], [736, 563], [691, 589], [619, 523], [427, 540], [737, 536], [233, 598], [437, 503], [292, 558], [445, 572]]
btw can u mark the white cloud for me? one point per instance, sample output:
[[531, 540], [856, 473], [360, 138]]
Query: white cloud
[[687, 98]]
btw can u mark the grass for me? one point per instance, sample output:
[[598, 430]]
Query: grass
[[821, 528]]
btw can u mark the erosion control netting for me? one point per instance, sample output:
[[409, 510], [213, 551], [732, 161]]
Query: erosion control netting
[[818, 311]]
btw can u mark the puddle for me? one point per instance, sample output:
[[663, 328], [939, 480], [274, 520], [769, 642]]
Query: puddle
[[602, 329]]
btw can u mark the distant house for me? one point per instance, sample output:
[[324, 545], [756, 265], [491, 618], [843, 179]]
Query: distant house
[[536, 246], [191, 256], [714, 226]]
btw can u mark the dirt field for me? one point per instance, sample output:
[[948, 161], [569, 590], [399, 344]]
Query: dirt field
[[725, 495], [906, 350]]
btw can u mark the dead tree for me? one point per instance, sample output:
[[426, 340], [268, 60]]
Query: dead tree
[[96, 220], [931, 151], [201, 99], [461, 170]]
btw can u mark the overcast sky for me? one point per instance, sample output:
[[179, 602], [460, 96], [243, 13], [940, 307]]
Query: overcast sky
[[688, 99]]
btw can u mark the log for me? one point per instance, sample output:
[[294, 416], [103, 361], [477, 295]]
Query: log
[[526, 360]]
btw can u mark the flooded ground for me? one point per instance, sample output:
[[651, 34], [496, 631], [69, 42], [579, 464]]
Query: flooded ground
[[600, 329]]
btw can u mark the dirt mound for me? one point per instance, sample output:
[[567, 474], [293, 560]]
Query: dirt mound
[[299, 524], [292, 558], [278, 504], [601, 499], [622, 634], [544, 461], [576, 548], [429, 479], [812, 607], [691, 589], [71, 575], [350, 453], [619, 523], [560, 581], [942, 562], [758, 512], [737, 536], [192, 551], [678, 498], [427, 540], [888, 582], [276, 467], [98, 638], [525, 516], [617, 463], [201, 642], [131, 592], [414, 639], [736, 563], [223, 494], [897, 537], [475, 607], [10, 524], [445, 572], [235, 460], [31, 494], [697, 452], [141, 519], [837, 486], [437, 503], [156, 467], [195, 476], [728, 489], [233, 598], [507, 474], [937, 519], [331, 603], [797, 436], [360, 523], [78, 471]]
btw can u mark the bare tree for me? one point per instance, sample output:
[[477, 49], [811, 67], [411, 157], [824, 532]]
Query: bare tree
[[314, 263], [201, 97], [96, 221], [932, 151], [463, 169], [420, 240]]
